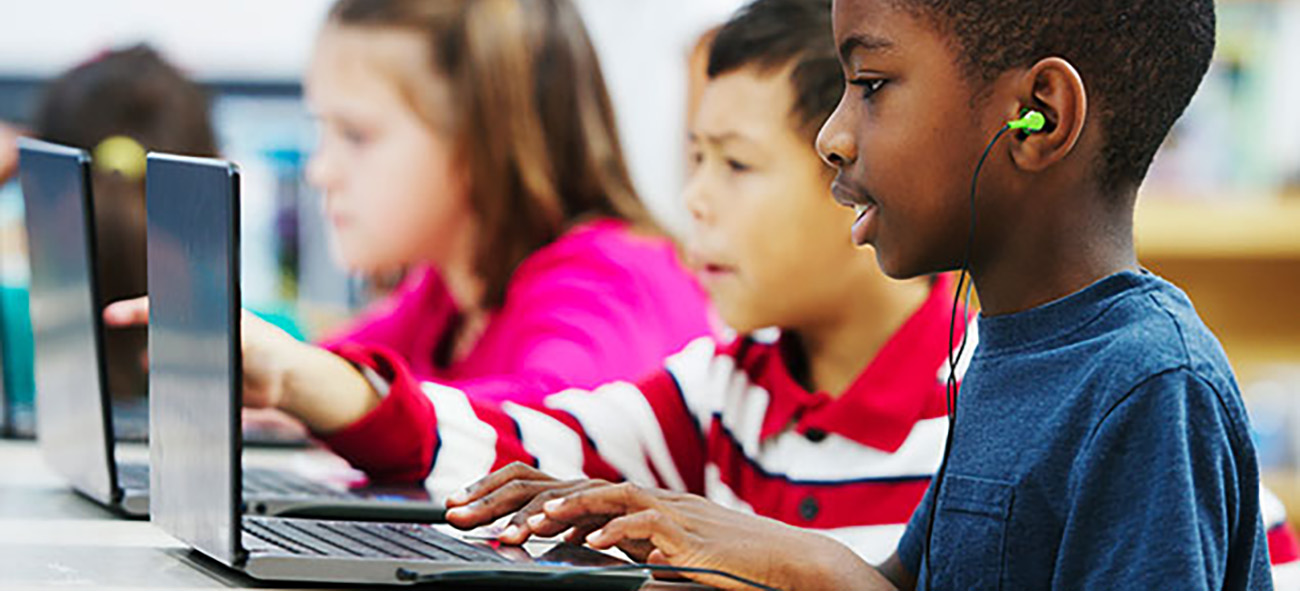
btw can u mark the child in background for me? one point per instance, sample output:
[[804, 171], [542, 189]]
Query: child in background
[[116, 106], [1099, 441], [475, 141], [119, 106]]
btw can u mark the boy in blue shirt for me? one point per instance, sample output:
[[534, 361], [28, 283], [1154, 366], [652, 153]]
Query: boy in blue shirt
[[1099, 441]]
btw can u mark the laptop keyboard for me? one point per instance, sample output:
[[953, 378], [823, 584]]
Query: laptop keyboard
[[257, 481], [362, 539], [260, 481]]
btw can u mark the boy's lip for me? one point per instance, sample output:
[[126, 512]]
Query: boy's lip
[[849, 193]]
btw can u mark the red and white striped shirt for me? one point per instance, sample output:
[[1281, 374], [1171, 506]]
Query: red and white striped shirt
[[728, 422], [1283, 543]]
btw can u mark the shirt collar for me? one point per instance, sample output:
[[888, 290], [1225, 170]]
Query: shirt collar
[[894, 391]]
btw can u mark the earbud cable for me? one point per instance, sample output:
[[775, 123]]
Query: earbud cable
[[956, 351]]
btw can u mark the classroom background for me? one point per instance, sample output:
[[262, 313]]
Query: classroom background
[[1220, 214]]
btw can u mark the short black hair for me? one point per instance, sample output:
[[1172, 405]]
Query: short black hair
[[1141, 60], [773, 34]]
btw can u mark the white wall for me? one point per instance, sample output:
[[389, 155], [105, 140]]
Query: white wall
[[643, 46], [256, 39]]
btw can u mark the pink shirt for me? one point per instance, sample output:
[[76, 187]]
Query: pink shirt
[[598, 304]]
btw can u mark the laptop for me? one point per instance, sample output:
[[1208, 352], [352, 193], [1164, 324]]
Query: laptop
[[71, 427], [195, 442], [74, 421]]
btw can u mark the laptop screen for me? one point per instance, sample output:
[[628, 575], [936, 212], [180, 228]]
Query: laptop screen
[[194, 388], [71, 422]]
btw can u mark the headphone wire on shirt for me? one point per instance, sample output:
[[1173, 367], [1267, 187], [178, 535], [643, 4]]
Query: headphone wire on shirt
[[956, 351]]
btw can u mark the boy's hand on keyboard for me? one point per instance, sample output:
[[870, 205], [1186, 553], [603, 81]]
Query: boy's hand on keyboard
[[686, 530], [523, 490]]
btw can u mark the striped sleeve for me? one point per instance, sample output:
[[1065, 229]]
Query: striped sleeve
[[1283, 545], [448, 438]]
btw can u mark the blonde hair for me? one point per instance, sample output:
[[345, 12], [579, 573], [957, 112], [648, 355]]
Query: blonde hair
[[530, 116]]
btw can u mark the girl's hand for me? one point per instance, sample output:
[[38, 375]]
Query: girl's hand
[[270, 354], [319, 388], [127, 313], [268, 351], [8, 152]]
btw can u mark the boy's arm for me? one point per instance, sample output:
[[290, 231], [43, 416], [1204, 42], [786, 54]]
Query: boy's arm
[[1165, 496], [448, 437], [892, 568]]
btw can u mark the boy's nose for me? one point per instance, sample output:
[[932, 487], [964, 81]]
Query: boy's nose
[[835, 143], [696, 201]]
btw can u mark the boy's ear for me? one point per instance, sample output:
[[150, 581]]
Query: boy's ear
[[1054, 88]]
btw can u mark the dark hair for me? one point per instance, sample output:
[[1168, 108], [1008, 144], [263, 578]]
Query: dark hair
[[534, 125], [136, 94], [1141, 60], [772, 34], [132, 92]]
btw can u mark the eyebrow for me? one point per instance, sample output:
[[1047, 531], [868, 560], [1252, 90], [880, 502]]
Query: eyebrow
[[864, 42], [718, 140]]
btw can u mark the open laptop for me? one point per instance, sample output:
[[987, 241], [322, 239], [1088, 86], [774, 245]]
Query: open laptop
[[195, 441], [74, 424], [71, 425]]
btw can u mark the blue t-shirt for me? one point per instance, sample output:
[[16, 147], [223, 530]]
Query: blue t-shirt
[[1100, 443]]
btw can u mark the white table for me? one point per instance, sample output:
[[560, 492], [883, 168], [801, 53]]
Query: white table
[[52, 538]]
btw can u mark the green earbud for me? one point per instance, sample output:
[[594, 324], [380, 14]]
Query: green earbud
[[1030, 122]]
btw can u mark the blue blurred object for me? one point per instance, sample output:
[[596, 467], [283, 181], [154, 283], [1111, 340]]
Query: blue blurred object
[[17, 361]]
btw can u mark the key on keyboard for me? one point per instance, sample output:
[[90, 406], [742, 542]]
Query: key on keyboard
[[257, 481], [441, 540], [263, 481], [269, 536], [374, 540]]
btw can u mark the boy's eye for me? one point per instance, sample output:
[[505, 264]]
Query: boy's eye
[[353, 136], [736, 165], [869, 86]]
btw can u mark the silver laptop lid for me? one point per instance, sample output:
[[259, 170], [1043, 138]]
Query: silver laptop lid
[[194, 378], [73, 423]]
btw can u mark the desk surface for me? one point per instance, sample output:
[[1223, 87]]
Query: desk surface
[[51, 537]]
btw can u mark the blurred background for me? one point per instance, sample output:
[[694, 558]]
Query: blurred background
[[1220, 214]]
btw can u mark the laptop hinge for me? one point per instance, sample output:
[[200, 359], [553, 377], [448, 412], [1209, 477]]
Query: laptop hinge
[[241, 556]]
